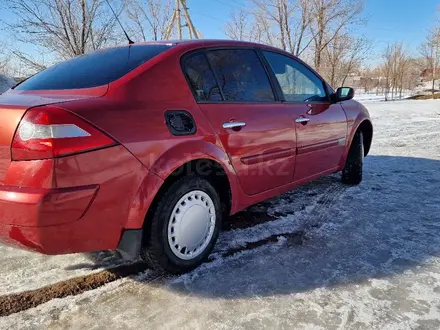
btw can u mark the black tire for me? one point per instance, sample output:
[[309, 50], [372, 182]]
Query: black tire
[[155, 249], [352, 172]]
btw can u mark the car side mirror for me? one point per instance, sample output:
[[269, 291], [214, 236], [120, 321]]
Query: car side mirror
[[343, 94]]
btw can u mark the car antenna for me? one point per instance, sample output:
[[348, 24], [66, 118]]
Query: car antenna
[[130, 42]]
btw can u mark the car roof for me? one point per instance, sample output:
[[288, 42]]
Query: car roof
[[199, 43]]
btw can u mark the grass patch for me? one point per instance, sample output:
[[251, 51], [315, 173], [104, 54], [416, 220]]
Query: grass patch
[[425, 97]]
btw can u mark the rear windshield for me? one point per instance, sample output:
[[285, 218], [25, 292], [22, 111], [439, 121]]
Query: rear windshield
[[93, 69]]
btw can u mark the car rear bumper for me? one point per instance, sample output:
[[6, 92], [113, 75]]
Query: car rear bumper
[[43, 219], [74, 204]]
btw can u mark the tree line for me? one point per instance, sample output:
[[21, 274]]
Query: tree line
[[318, 31], [60, 29]]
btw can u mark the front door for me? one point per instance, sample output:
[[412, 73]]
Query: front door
[[234, 92], [321, 127]]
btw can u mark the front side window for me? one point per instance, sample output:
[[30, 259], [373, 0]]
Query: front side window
[[201, 78], [297, 82], [241, 75]]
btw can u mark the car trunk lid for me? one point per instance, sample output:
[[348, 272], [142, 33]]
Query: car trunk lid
[[13, 106]]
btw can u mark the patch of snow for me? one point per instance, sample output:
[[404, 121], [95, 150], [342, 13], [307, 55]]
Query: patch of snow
[[379, 97], [22, 270]]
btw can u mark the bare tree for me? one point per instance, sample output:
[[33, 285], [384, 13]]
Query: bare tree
[[401, 71], [395, 69], [296, 25], [366, 81], [302, 40], [290, 20], [331, 17], [412, 73], [4, 61], [342, 56], [149, 18], [430, 50], [387, 69], [238, 27], [65, 28], [261, 29], [31, 63], [282, 23]]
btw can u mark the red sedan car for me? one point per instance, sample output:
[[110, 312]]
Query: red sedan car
[[145, 148]]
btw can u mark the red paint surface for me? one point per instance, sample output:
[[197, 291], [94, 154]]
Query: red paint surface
[[83, 202]]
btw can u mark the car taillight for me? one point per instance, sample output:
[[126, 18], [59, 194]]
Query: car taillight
[[49, 132]]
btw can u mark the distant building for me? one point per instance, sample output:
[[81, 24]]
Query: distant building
[[426, 75]]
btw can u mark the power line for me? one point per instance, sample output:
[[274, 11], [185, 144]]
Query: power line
[[209, 16], [238, 4]]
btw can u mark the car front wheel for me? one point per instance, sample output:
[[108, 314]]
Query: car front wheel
[[352, 172], [184, 226]]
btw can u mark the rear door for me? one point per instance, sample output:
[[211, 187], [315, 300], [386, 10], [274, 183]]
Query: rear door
[[235, 93], [321, 127]]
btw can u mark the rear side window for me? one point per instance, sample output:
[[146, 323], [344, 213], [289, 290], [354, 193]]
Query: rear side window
[[93, 69], [241, 75], [201, 78]]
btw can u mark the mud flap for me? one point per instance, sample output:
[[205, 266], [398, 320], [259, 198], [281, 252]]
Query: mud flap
[[129, 246]]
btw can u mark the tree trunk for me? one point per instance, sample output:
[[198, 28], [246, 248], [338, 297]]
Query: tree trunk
[[434, 67], [281, 24]]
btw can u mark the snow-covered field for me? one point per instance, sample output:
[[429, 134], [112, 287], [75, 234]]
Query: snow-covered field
[[375, 97], [370, 258]]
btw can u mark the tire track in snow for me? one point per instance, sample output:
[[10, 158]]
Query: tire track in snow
[[303, 220], [319, 213], [274, 234]]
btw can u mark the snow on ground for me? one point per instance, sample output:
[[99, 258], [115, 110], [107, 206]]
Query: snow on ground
[[368, 97], [371, 258], [21, 270], [379, 96]]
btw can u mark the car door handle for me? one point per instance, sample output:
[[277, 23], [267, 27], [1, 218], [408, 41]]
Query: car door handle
[[302, 120], [233, 124]]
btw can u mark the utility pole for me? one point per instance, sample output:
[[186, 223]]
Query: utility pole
[[176, 20], [179, 21]]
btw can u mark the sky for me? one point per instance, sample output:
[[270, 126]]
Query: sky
[[406, 21]]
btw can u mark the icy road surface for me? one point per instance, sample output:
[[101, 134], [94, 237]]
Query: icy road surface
[[370, 260]]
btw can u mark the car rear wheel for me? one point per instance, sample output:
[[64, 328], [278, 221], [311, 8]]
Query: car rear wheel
[[184, 226], [352, 172]]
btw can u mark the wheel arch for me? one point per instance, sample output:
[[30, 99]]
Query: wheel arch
[[366, 127], [207, 168], [199, 157]]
